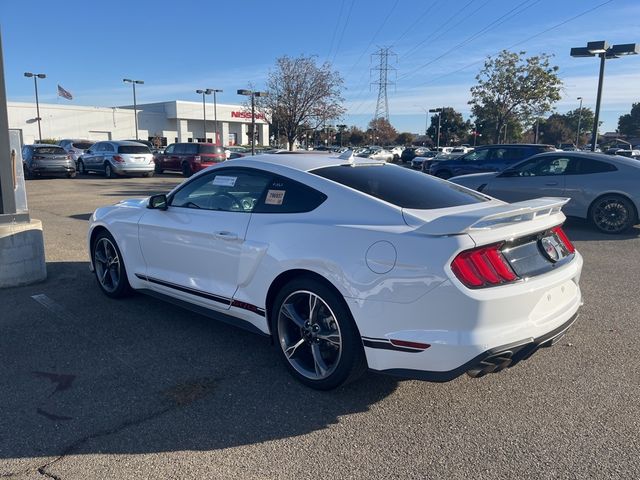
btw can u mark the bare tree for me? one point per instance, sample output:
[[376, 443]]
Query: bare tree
[[302, 95]]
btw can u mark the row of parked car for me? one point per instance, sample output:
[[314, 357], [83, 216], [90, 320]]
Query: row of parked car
[[123, 157]]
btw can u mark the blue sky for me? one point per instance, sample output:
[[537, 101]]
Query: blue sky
[[177, 47]]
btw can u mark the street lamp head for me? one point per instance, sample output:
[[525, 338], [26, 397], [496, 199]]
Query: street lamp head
[[41, 75], [201, 91], [625, 49], [579, 98], [140, 82], [215, 90], [581, 52], [127, 80], [260, 94], [244, 92], [435, 110], [596, 48], [28, 74]]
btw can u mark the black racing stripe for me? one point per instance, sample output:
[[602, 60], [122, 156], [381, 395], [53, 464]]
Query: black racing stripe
[[384, 344], [216, 298], [191, 291]]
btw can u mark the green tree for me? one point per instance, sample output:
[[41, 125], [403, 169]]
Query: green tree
[[512, 88], [381, 132], [453, 128], [556, 130], [405, 138], [302, 94], [629, 123], [355, 136]]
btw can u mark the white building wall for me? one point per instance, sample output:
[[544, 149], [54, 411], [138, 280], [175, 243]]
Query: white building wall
[[176, 119]]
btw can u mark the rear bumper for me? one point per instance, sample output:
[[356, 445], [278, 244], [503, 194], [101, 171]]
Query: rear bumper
[[125, 169], [53, 169], [492, 360], [460, 329]]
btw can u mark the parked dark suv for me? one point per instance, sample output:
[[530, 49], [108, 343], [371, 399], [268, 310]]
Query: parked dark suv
[[189, 158], [489, 158], [44, 159]]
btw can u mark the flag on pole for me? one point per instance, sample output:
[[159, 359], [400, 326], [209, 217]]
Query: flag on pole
[[64, 94]]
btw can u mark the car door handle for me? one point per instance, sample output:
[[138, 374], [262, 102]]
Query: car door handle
[[228, 236]]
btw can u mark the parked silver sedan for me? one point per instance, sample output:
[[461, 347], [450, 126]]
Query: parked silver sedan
[[117, 158], [603, 189]]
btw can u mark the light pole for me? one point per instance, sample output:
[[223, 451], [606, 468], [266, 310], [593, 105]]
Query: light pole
[[36, 76], [253, 95], [135, 105], [475, 132], [579, 120], [204, 112], [439, 112], [215, 115], [604, 51]]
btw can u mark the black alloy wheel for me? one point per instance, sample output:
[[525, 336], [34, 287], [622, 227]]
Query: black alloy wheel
[[612, 214], [109, 268], [316, 335]]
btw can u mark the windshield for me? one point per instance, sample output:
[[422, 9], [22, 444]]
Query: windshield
[[82, 145], [50, 150], [211, 149], [133, 149], [400, 186]]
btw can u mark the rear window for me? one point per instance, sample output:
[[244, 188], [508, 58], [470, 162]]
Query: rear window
[[133, 149], [211, 149], [400, 186], [82, 145], [53, 150]]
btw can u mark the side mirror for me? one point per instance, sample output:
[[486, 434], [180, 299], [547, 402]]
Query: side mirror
[[158, 202], [510, 173]]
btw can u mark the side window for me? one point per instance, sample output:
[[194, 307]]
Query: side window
[[169, 149], [540, 167], [284, 195], [97, 148], [107, 147], [179, 149], [517, 154], [224, 190], [191, 148], [500, 154], [477, 155], [588, 165]]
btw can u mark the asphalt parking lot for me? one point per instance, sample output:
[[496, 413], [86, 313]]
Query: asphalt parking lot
[[97, 388]]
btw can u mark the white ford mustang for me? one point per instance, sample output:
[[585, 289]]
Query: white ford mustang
[[349, 264]]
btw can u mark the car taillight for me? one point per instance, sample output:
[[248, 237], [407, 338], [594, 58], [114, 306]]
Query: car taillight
[[483, 267], [564, 239], [118, 158], [197, 159]]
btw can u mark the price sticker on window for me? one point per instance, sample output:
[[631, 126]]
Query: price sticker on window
[[275, 197], [223, 181]]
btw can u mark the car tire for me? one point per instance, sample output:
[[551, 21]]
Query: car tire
[[108, 170], [109, 267], [81, 169], [612, 214], [320, 345], [71, 175], [148, 174], [186, 170], [444, 174]]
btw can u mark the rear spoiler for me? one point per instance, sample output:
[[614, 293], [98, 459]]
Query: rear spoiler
[[493, 217]]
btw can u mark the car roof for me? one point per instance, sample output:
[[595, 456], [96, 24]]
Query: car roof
[[124, 142], [302, 163], [616, 159], [512, 145], [44, 145]]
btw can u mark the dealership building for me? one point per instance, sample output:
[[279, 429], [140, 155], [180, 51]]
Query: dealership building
[[164, 122]]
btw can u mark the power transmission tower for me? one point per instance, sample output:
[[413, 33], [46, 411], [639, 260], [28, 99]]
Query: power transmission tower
[[383, 69]]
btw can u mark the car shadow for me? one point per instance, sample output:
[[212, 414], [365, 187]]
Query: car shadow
[[84, 373], [582, 230]]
